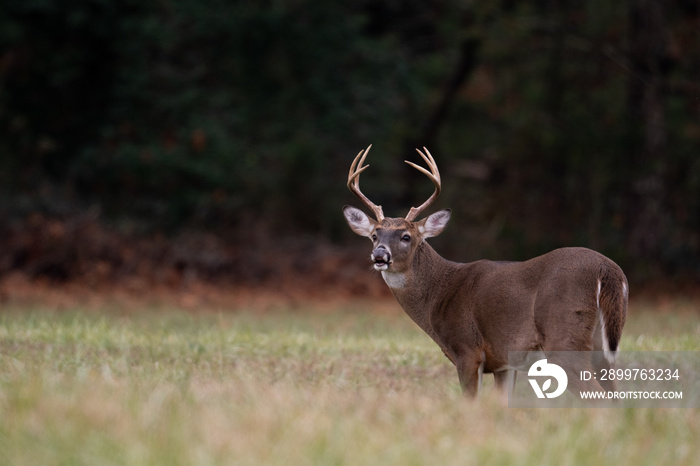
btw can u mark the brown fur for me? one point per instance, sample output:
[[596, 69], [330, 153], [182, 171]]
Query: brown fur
[[477, 312]]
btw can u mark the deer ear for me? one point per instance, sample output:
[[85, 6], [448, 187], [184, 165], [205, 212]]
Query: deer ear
[[434, 224], [358, 221]]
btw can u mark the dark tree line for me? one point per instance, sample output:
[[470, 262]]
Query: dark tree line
[[554, 123]]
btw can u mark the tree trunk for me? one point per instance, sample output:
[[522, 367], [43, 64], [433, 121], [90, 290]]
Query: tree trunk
[[427, 135], [646, 94]]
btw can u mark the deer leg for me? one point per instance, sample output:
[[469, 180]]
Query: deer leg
[[470, 370], [573, 363], [505, 381], [570, 346]]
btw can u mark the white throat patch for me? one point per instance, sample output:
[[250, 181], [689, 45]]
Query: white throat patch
[[394, 280]]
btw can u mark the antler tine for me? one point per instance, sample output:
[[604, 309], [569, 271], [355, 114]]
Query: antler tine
[[354, 183], [434, 175]]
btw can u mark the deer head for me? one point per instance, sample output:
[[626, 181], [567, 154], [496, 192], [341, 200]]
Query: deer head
[[395, 239]]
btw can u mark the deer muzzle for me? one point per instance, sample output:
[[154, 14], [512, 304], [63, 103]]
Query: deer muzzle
[[381, 257]]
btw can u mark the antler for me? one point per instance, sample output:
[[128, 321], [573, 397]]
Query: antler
[[434, 176], [354, 183]]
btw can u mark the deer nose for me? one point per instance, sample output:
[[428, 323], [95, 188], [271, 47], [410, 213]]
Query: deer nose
[[381, 255]]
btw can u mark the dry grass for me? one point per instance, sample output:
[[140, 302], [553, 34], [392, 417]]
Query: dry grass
[[348, 387]]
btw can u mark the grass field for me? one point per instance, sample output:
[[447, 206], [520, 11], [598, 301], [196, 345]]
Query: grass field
[[290, 387]]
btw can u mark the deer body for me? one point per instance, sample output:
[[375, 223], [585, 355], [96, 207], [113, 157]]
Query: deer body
[[481, 310], [570, 299]]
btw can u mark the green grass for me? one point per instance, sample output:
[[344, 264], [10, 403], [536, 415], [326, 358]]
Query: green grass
[[347, 387]]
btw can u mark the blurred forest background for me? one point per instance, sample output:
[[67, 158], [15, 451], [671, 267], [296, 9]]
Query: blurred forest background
[[161, 142]]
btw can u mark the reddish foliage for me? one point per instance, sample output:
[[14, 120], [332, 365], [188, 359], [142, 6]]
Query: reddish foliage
[[81, 256]]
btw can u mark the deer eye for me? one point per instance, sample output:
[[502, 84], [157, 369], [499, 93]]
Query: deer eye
[[406, 238], [374, 237]]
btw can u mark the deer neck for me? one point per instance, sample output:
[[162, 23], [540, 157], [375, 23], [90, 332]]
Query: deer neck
[[416, 289]]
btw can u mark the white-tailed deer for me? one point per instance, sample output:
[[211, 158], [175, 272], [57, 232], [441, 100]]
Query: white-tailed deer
[[570, 299]]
